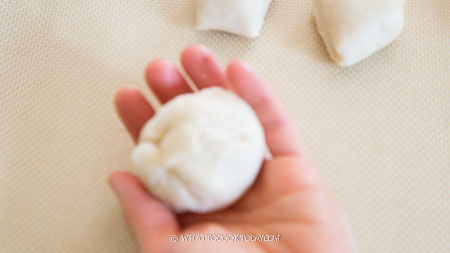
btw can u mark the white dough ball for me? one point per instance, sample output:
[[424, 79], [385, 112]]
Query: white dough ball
[[201, 151], [355, 29], [242, 17]]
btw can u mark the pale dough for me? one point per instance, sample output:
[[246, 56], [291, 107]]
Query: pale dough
[[242, 17], [354, 29], [201, 151]]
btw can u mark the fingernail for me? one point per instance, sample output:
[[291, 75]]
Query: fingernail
[[113, 180], [203, 48]]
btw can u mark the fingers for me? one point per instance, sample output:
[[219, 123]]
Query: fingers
[[280, 132], [202, 67], [152, 222], [133, 109], [165, 80]]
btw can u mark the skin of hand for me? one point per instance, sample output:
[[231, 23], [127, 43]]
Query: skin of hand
[[287, 199]]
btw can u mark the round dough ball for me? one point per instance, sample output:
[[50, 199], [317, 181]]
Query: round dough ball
[[201, 151]]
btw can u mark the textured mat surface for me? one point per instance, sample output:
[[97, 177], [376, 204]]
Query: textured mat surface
[[379, 132]]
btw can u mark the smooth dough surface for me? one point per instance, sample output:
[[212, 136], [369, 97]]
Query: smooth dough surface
[[242, 17], [201, 151], [354, 29]]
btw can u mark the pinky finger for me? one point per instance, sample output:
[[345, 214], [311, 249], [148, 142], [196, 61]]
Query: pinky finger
[[133, 109]]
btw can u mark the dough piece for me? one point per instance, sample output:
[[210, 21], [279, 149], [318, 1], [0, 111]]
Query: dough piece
[[201, 151], [354, 29], [242, 17]]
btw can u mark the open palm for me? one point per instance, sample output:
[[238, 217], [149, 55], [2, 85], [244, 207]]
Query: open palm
[[287, 199]]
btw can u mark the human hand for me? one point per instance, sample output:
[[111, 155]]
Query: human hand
[[287, 199]]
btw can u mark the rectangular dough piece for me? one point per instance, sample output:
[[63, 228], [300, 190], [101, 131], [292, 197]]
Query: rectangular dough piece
[[242, 17]]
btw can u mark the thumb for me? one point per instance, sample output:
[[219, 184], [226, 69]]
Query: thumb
[[151, 221]]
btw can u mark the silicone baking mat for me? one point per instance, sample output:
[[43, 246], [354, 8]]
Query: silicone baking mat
[[379, 132]]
